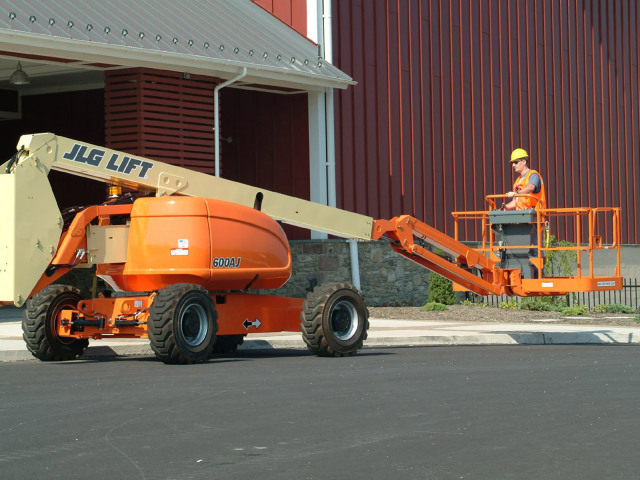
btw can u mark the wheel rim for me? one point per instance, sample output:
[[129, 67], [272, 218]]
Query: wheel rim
[[194, 324], [344, 320], [65, 304]]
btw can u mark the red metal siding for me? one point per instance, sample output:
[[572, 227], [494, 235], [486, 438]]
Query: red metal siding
[[265, 143], [291, 12], [447, 88], [71, 114], [161, 115]]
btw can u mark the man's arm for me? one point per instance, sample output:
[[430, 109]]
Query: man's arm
[[529, 188]]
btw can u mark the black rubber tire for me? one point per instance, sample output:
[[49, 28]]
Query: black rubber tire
[[39, 324], [227, 344], [334, 320], [182, 324]]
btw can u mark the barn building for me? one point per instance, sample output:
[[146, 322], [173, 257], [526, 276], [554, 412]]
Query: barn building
[[381, 108]]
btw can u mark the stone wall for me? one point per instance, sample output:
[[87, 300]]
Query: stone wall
[[386, 278]]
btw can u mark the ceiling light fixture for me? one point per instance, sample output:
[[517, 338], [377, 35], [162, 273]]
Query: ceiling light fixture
[[19, 77]]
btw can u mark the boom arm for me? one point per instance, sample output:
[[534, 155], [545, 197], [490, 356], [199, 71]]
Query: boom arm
[[407, 234], [32, 223], [99, 163], [477, 272]]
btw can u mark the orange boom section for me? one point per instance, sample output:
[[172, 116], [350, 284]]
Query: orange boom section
[[510, 259], [201, 241]]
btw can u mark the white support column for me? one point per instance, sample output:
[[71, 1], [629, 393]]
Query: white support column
[[317, 152], [322, 155], [317, 120]]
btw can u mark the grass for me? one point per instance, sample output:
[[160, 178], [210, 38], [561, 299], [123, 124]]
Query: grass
[[469, 303]]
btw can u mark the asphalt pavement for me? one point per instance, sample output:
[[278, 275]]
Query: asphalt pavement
[[382, 333], [561, 412]]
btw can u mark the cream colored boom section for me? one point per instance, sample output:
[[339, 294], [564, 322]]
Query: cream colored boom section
[[99, 163]]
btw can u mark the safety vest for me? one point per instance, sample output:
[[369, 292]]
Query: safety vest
[[536, 200]]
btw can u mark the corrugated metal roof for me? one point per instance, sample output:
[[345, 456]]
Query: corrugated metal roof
[[211, 37]]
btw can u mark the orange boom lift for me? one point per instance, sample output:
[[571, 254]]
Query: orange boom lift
[[183, 252]]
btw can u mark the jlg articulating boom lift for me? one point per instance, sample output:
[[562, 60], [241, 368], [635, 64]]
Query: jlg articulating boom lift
[[184, 251]]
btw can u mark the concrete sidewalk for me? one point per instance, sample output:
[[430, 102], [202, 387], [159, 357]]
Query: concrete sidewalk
[[382, 333]]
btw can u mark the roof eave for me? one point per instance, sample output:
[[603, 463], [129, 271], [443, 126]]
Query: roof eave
[[125, 56]]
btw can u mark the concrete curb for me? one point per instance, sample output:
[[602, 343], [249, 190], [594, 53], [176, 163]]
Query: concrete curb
[[289, 342]]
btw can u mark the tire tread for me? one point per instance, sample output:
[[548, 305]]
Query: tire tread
[[160, 323], [34, 325], [311, 321]]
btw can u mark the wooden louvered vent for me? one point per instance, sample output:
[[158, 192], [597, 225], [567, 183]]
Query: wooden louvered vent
[[161, 115]]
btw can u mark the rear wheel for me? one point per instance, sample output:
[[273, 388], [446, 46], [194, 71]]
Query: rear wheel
[[40, 324], [334, 320], [182, 324]]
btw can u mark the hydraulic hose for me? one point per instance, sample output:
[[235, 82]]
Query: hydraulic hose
[[14, 160]]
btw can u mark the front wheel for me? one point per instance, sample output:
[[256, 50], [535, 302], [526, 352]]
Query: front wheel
[[40, 324], [182, 324], [334, 320]]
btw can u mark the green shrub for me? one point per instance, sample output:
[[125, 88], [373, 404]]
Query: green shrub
[[637, 318], [613, 308], [551, 303], [510, 305], [560, 263], [574, 311], [434, 307], [440, 290], [542, 304], [618, 308]]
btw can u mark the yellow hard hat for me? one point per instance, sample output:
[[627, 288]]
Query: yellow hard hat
[[518, 154]]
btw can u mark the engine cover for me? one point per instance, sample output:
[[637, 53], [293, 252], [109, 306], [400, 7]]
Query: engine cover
[[213, 243]]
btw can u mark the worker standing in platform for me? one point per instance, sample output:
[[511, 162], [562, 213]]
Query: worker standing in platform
[[528, 182]]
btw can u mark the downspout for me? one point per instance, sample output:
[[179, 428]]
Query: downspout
[[327, 35], [355, 264], [216, 115]]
